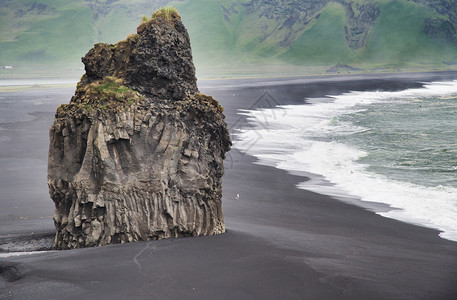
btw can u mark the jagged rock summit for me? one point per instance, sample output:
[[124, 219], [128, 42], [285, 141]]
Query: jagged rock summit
[[138, 152], [156, 62]]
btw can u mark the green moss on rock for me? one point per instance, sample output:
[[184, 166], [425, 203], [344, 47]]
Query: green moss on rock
[[109, 93], [210, 100]]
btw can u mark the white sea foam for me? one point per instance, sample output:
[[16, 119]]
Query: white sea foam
[[296, 138], [14, 254]]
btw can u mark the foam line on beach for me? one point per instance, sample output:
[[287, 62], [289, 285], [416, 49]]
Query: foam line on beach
[[294, 138], [15, 254]]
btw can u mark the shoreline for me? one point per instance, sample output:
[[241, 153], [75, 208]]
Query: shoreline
[[66, 82], [369, 75], [243, 72], [393, 199], [281, 242]]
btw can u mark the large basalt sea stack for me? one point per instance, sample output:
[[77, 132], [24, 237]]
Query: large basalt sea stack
[[138, 152]]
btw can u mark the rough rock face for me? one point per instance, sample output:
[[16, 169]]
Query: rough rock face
[[440, 29], [291, 18], [156, 62], [361, 18], [138, 153]]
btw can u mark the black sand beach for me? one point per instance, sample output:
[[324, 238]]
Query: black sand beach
[[282, 242]]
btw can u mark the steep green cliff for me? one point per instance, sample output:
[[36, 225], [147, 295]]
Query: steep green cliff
[[369, 34]]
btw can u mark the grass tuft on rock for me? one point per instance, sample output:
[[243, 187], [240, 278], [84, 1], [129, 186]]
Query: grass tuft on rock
[[167, 13]]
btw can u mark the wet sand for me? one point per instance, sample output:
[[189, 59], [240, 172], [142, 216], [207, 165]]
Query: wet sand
[[282, 242]]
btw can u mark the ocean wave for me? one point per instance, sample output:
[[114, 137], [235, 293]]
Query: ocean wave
[[299, 138]]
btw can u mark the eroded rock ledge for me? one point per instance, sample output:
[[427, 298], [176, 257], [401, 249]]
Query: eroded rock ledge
[[138, 153]]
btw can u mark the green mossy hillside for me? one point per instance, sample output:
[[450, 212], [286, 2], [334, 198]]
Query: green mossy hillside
[[239, 34]]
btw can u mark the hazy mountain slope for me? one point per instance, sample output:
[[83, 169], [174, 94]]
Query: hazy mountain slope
[[231, 33], [324, 43], [56, 32], [213, 27], [367, 34], [409, 43], [397, 38], [42, 31]]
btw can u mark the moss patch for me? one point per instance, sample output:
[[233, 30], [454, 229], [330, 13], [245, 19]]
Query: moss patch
[[208, 99], [109, 94]]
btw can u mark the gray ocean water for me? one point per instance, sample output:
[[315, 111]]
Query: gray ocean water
[[411, 140], [397, 148]]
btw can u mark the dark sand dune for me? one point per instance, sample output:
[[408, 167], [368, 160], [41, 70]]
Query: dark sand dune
[[282, 242]]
